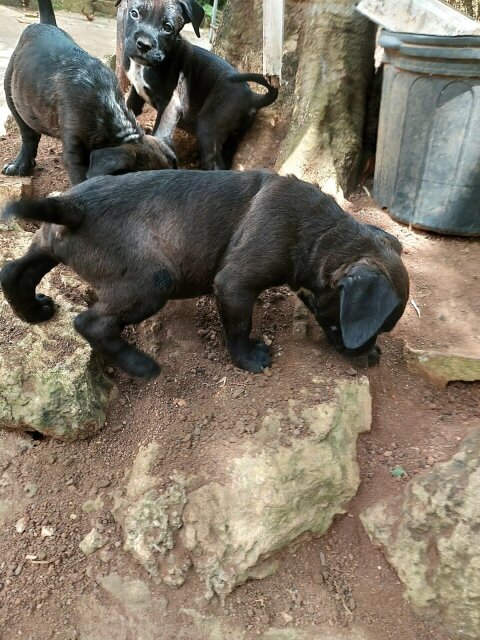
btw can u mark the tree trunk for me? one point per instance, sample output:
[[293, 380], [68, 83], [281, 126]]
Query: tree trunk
[[315, 130]]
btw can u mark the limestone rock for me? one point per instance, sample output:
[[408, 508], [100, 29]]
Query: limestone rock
[[431, 536], [150, 518], [301, 316], [49, 380], [444, 366], [275, 488]]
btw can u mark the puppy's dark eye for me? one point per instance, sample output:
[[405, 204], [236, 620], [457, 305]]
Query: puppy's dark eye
[[167, 27], [134, 14]]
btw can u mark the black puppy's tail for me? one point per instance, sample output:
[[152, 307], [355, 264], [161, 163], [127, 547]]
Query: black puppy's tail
[[47, 16], [52, 210], [259, 101]]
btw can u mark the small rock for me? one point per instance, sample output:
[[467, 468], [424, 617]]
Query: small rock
[[388, 454], [31, 489], [104, 483], [287, 617], [42, 555], [47, 532], [91, 506], [91, 542], [14, 188], [237, 392], [350, 371], [105, 555], [21, 525]]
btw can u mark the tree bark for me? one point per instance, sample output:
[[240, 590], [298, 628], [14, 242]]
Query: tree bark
[[119, 70], [316, 127], [470, 7]]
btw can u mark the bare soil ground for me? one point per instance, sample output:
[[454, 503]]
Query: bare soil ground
[[201, 406]]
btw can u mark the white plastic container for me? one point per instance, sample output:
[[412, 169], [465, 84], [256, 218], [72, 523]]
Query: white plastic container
[[431, 17]]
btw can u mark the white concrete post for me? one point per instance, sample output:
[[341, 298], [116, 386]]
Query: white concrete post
[[273, 17]]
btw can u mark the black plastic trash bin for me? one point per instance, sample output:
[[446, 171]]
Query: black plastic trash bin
[[427, 169]]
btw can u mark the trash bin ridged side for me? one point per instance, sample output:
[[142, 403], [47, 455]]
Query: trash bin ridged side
[[428, 151]]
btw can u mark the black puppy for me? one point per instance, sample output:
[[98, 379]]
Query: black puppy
[[54, 87], [194, 232], [186, 84]]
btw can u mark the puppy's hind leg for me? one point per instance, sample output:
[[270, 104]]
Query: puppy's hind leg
[[210, 144], [19, 279], [25, 161], [206, 145], [103, 323], [103, 332]]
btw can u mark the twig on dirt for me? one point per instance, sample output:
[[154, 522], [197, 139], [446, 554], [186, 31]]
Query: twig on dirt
[[366, 191], [416, 307], [342, 598]]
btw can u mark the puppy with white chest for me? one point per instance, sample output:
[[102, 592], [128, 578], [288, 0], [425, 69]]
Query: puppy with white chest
[[55, 88], [187, 85], [192, 233]]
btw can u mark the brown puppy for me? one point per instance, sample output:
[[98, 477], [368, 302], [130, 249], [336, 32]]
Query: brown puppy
[[143, 238]]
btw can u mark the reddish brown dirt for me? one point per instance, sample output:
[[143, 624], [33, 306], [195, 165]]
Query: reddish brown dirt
[[201, 404]]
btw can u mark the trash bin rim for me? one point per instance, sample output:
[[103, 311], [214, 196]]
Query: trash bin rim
[[430, 40]]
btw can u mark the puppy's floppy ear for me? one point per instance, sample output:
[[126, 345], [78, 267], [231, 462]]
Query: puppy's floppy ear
[[366, 300], [104, 162], [192, 12]]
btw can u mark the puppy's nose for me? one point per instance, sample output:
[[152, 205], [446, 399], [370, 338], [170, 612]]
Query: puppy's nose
[[144, 44]]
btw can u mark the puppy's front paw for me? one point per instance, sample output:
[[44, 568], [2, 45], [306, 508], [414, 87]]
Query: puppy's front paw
[[139, 365], [41, 309], [373, 357], [19, 168], [254, 357]]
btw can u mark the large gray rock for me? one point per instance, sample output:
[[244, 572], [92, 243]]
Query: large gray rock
[[431, 536], [275, 488], [49, 380]]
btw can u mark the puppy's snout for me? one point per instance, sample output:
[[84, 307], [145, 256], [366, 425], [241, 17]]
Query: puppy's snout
[[144, 44]]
